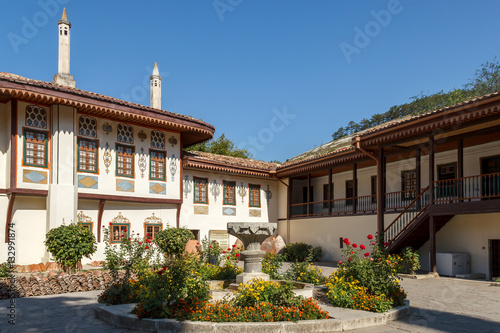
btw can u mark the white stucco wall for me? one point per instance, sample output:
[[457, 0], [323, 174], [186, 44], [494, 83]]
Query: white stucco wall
[[466, 234], [215, 219]]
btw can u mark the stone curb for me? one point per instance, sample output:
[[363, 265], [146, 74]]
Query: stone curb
[[120, 316]]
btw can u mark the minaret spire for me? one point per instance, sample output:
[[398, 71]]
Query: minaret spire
[[63, 77], [155, 88]]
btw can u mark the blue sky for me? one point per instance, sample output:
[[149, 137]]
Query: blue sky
[[277, 77]]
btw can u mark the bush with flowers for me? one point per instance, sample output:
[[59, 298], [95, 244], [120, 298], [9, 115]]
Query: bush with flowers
[[366, 280], [305, 271], [271, 264], [172, 241], [210, 251]]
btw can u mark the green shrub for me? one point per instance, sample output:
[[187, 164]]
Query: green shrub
[[370, 274], [410, 261], [299, 251], [252, 293], [305, 271], [172, 241], [5, 270], [210, 252], [179, 283], [68, 244], [121, 292], [271, 265]]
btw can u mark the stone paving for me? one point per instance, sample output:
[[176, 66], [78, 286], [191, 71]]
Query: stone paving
[[437, 305]]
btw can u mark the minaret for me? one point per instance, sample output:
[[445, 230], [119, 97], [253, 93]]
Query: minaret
[[155, 88], [62, 77]]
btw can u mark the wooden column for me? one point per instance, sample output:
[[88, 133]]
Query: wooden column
[[380, 194], [178, 217], [289, 200], [460, 166], [330, 192], [308, 193], [354, 187], [431, 170], [418, 170], [99, 219], [13, 143], [432, 242]]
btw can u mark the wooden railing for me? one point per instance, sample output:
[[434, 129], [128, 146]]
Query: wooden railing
[[407, 216], [473, 188], [465, 189]]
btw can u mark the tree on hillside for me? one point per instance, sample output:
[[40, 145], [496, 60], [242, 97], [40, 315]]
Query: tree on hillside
[[220, 146], [485, 81]]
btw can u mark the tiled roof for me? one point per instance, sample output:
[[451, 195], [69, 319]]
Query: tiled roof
[[22, 80], [230, 161]]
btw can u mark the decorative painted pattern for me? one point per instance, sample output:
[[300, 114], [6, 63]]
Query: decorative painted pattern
[[125, 185], [215, 190], [157, 188], [107, 158], [228, 211], [201, 210], [188, 186], [85, 181], [242, 192], [254, 213], [34, 176], [142, 163], [173, 167]]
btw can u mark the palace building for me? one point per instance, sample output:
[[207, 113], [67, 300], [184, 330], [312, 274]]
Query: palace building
[[430, 181]]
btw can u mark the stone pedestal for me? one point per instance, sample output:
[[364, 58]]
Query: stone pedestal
[[252, 235]]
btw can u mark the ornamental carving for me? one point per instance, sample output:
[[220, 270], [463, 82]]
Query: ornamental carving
[[269, 195], [82, 218], [173, 167], [120, 219], [242, 192], [142, 163], [153, 219], [188, 186], [215, 190], [107, 158], [172, 140]]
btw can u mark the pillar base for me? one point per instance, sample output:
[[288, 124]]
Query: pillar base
[[246, 277]]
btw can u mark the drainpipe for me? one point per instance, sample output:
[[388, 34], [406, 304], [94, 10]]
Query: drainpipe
[[366, 152]]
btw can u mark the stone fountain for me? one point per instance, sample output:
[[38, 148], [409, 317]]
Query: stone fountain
[[252, 234]]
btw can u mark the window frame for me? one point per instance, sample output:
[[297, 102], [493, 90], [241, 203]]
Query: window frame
[[349, 186], [164, 178], [146, 225], [229, 184], [116, 162], [195, 187], [88, 224], [46, 148], [121, 224], [253, 187], [42, 106], [408, 195], [78, 168]]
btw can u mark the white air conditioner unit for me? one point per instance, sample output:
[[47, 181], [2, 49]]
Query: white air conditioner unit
[[451, 264]]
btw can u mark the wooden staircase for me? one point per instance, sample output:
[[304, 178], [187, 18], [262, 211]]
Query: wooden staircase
[[411, 227]]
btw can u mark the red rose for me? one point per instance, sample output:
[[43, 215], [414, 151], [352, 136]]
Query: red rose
[[369, 237], [386, 244], [227, 257], [160, 272], [367, 254], [210, 246], [224, 252], [129, 239], [347, 243], [340, 262], [228, 249], [362, 247], [346, 240], [103, 226], [164, 268], [352, 252], [354, 245], [125, 230], [234, 245], [237, 255], [147, 247], [373, 243], [140, 243]]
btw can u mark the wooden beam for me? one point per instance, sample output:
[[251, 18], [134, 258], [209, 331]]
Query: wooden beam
[[308, 193], [289, 200], [431, 170], [123, 198], [330, 191], [99, 219], [8, 220], [178, 216], [13, 143], [432, 242], [380, 194], [354, 187]]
